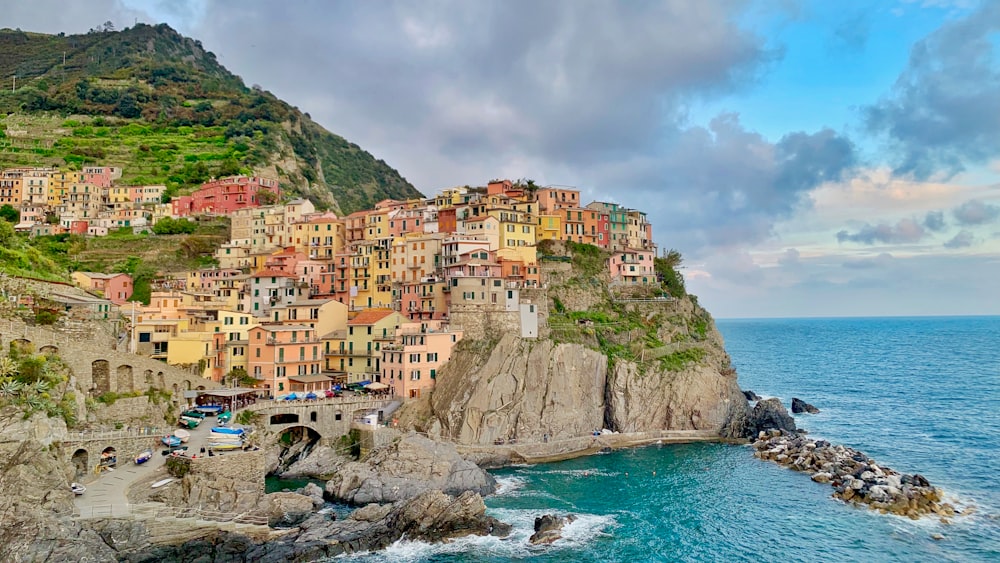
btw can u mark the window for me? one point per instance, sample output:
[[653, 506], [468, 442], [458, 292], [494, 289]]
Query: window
[[432, 357], [414, 357]]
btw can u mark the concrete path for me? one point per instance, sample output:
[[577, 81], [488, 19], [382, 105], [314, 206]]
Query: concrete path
[[107, 494]]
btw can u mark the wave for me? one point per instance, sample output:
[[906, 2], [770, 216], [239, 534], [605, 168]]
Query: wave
[[509, 484], [574, 472], [576, 535]]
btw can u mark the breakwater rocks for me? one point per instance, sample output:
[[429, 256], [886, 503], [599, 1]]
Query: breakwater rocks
[[854, 476]]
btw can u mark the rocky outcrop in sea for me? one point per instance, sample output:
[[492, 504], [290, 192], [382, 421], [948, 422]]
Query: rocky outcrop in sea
[[799, 406], [406, 468], [855, 477]]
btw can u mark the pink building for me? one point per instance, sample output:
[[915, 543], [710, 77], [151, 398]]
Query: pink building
[[411, 363], [100, 176], [116, 288], [224, 196], [632, 266]]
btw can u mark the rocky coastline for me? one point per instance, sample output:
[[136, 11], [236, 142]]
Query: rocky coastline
[[855, 477]]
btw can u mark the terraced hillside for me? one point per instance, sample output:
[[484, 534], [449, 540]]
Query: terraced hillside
[[160, 106]]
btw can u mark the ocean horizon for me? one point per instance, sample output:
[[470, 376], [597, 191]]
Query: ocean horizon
[[918, 394]]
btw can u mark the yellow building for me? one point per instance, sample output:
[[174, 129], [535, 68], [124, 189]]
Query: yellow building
[[356, 354], [190, 348], [59, 184], [320, 237], [549, 227]]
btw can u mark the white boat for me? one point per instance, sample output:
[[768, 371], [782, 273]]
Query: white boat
[[159, 484], [77, 488], [182, 434]]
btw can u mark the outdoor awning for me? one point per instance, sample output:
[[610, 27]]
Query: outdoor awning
[[377, 386], [313, 378], [359, 383], [228, 392]]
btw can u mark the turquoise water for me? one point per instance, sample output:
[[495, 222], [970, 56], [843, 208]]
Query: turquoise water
[[920, 395]]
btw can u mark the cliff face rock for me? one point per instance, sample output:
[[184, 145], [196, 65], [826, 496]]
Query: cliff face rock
[[405, 469], [35, 501], [523, 389], [661, 366]]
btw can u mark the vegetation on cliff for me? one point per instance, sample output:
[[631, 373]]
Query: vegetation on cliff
[[159, 105], [36, 383]]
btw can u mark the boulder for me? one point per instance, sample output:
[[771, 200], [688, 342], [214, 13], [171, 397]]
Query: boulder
[[548, 528], [406, 468], [771, 415], [285, 510], [321, 462], [313, 491], [751, 396], [800, 406]]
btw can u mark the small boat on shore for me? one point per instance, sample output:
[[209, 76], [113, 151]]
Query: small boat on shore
[[210, 410], [162, 482], [170, 441], [224, 447], [225, 416], [193, 414], [227, 430], [182, 435], [144, 457], [77, 488]]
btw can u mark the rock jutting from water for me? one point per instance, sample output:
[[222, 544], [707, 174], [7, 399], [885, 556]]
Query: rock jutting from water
[[855, 477], [548, 528], [799, 406]]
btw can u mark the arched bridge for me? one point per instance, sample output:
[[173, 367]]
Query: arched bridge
[[330, 418]]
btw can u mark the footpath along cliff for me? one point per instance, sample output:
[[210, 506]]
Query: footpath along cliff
[[626, 359]]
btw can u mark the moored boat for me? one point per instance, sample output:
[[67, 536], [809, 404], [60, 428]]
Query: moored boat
[[182, 435], [170, 441], [143, 457], [193, 414], [225, 447], [226, 416], [227, 430]]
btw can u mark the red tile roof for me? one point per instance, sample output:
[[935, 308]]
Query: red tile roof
[[370, 316]]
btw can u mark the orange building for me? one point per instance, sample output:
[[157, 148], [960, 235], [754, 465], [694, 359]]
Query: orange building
[[278, 352], [410, 364]]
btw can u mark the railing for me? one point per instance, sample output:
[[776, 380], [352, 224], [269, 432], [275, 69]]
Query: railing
[[271, 403], [116, 434]]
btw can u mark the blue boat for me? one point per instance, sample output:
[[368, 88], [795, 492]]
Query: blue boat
[[225, 430], [143, 457], [170, 441]]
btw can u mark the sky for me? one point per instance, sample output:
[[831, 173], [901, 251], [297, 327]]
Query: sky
[[807, 157]]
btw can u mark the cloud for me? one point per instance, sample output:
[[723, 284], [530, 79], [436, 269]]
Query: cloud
[[789, 258], [976, 212], [944, 109], [934, 221], [724, 185], [906, 231], [882, 260], [961, 240]]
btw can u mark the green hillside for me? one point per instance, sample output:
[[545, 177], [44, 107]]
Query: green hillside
[[160, 106]]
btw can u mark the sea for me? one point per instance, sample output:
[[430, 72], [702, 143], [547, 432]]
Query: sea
[[921, 395]]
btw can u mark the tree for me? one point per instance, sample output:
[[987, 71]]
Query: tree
[[10, 214], [239, 377], [267, 197], [170, 226]]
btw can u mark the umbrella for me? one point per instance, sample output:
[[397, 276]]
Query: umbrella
[[377, 386], [291, 397], [337, 387], [310, 395], [329, 394]]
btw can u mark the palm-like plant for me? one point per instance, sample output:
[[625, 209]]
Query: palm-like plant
[[8, 367], [11, 388]]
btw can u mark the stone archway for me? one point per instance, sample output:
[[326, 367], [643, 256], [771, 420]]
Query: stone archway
[[124, 379], [20, 345], [176, 389], [148, 377], [80, 462], [284, 418], [100, 373], [160, 380], [48, 349]]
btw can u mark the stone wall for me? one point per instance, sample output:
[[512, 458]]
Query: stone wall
[[129, 412], [84, 456], [320, 416], [230, 482], [98, 367]]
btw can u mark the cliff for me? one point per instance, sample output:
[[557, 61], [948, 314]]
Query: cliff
[[625, 359]]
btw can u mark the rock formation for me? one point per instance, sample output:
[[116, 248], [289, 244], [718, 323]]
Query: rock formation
[[855, 477], [656, 365], [405, 469], [548, 528], [799, 406], [430, 516], [751, 396], [767, 415]]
